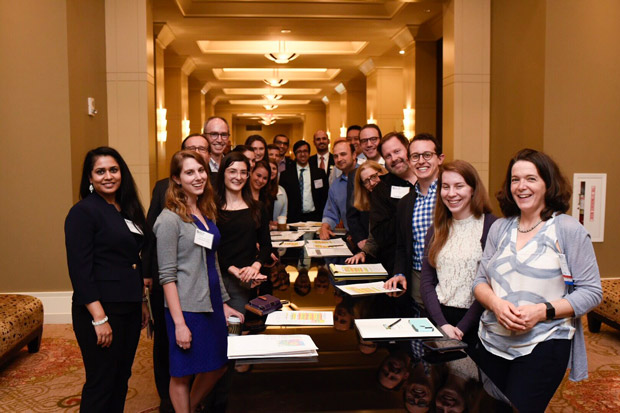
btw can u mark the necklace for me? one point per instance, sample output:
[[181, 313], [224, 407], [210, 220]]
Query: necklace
[[525, 231]]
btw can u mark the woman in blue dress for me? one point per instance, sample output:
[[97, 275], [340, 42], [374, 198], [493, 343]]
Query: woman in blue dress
[[195, 297]]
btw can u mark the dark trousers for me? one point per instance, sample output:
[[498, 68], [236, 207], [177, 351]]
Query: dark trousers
[[529, 382], [161, 366], [107, 369], [453, 316]]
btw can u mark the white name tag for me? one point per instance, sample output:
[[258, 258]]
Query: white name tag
[[318, 183], [133, 227], [203, 238], [399, 191]]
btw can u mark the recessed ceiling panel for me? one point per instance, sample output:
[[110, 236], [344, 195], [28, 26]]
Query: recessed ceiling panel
[[285, 73], [265, 91], [266, 102], [268, 46]]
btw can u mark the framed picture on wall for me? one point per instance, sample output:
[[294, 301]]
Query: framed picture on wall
[[589, 203]]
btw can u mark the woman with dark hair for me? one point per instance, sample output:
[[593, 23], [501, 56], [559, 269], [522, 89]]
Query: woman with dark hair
[[537, 277], [455, 243], [195, 297], [260, 177], [278, 194], [243, 224], [258, 145], [104, 234]]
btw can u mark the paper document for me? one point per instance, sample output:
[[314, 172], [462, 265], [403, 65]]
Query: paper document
[[366, 288], [392, 328], [328, 243], [266, 345], [328, 248], [287, 244], [357, 269], [305, 224], [300, 318], [286, 235]]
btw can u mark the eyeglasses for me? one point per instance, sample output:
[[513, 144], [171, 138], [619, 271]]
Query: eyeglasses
[[373, 177], [233, 172], [373, 139], [426, 155], [281, 143], [215, 135], [201, 149]]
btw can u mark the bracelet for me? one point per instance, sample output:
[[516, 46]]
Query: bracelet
[[100, 322]]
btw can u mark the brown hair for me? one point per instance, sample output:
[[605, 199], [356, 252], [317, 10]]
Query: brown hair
[[361, 198], [176, 199], [557, 193], [443, 217], [398, 135]]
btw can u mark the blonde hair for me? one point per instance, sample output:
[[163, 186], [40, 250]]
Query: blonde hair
[[361, 198], [176, 199]]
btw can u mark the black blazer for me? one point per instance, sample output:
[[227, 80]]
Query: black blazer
[[314, 161], [384, 221], [150, 269], [403, 260], [103, 255], [356, 220], [290, 182]]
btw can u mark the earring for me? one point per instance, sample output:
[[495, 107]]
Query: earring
[[91, 188]]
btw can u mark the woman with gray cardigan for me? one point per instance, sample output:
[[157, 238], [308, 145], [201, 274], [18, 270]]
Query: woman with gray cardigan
[[195, 297], [537, 277]]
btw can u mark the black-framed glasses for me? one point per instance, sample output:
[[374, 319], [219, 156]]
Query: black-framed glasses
[[424, 155], [201, 149], [371, 178], [215, 135], [372, 139]]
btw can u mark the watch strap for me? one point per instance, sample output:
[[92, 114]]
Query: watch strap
[[550, 311]]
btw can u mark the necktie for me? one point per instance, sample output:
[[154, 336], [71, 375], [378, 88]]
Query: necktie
[[322, 163], [301, 186]]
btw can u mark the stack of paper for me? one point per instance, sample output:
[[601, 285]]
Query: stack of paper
[[271, 346], [286, 235], [306, 226], [300, 318], [328, 248], [358, 272], [395, 328], [287, 244], [366, 288]]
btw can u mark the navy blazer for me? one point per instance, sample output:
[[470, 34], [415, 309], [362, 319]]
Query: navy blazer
[[290, 182], [103, 255]]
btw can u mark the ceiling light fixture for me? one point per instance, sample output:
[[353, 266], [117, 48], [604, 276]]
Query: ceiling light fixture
[[270, 107], [272, 97], [276, 81], [401, 51], [282, 57], [285, 31]]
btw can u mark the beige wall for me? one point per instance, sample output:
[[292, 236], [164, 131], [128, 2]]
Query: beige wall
[[555, 88], [36, 160]]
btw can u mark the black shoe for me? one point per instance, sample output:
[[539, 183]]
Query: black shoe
[[165, 406]]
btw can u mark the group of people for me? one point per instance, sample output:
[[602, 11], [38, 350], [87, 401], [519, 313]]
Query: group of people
[[513, 288]]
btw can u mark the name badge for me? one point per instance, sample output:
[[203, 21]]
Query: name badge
[[399, 191], [133, 227], [568, 277], [203, 238], [318, 183]]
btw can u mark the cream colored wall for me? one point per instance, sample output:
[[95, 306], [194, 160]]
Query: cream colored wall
[[426, 87], [582, 102], [36, 160]]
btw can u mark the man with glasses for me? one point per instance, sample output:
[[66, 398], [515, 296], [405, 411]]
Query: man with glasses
[[370, 137], [383, 200], [217, 132], [282, 142], [305, 185], [414, 213], [197, 143]]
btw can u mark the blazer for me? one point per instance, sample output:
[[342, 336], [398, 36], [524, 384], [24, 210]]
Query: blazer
[[356, 219], [290, 182], [314, 161], [103, 255], [429, 280], [386, 220], [150, 268]]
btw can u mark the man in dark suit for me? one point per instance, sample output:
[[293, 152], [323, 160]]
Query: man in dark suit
[[305, 185], [323, 159], [198, 143]]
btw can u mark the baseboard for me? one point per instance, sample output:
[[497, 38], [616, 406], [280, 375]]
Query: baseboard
[[56, 305]]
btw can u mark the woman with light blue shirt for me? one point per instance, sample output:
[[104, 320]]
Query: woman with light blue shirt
[[537, 277]]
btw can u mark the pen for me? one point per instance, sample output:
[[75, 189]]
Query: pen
[[393, 324]]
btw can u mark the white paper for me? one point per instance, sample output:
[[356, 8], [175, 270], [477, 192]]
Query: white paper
[[286, 235], [301, 225], [300, 318], [287, 244], [356, 270], [377, 328], [328, 243], [399, 191], [366, 288], [328, 252], [268, 345], [318, 183], [132, 227], [203, 238]]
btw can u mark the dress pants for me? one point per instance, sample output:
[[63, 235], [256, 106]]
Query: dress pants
[[161, 366], [107, 369]]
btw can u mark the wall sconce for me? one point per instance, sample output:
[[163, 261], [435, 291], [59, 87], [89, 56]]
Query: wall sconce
[[343, 131], [185, 128], [371, 120], [162, 134], [409, 122]]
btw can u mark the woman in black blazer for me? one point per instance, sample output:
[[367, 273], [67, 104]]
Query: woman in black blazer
[[104, 234]]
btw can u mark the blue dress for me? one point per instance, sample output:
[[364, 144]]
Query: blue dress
[[209, 332]]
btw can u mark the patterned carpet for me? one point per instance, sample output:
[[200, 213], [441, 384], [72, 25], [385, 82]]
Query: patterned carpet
[[51, 380]]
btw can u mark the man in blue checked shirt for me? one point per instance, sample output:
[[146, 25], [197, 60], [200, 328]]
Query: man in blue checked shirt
[[414, 214], [336, 206]]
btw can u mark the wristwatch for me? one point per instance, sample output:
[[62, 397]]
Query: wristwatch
[[550, 311]]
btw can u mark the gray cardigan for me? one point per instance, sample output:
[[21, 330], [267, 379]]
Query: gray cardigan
[[183, 262], [575, 243]]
